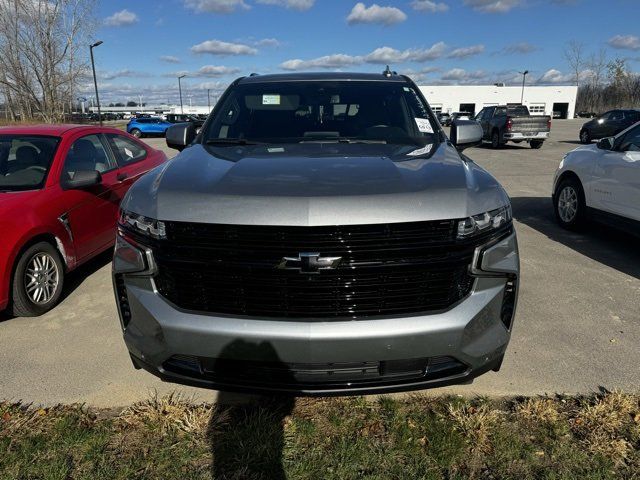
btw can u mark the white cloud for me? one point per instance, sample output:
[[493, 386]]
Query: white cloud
[[466, 52], [268, 42], [215, 71], [461, 75], [519, 48], [170, 59], [125, 73], [555, 76], [375, 14], [122, 18], [216, 6], [382, 55], [291, 4], [493, 6], [337, 60], [429, 6], [217, 47], [625, 42]]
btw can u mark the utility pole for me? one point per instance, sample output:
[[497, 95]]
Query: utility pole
[[524, 76], [180, 90], [95, 80]]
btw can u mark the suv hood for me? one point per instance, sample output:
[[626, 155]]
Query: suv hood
[[315, 184]]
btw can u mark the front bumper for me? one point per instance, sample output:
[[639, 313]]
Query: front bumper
[[325, 357]]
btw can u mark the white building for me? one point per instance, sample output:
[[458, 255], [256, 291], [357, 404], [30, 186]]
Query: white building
[[543, 100]]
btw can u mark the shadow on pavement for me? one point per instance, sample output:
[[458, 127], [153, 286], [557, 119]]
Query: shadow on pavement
[[606, 245], [247, 431]]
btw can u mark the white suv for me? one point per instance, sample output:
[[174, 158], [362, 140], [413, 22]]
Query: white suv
[[602, 182]]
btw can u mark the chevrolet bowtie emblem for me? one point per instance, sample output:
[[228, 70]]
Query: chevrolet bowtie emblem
[[309, 263]]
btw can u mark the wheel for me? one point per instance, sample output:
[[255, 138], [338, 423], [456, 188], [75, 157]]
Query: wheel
[[495, 139], [569, 204], [136, 133], [535, 144], [37, 281], [585, 136]]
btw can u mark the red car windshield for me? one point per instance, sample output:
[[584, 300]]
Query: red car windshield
[[25, 161]]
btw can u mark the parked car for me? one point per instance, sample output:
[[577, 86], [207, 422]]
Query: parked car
[[513, 123], [60, 187], [608, 124], [143, 126], [322, 235], [444, 119], [601, 182], [586, 114]]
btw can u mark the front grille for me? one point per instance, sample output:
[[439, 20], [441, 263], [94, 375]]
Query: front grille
[[313, 375], [386, 269]]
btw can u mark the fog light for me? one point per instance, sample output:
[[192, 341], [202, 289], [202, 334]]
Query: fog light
[[127, 258]]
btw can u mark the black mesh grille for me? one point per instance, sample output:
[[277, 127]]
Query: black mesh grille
[[385, 269]]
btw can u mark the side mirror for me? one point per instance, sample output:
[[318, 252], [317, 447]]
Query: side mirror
[[83, 179], [181, 135], [465, 134], [606, 143]]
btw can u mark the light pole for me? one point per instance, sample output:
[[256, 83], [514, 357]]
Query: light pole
[[209, 99], [180, 90], [95, 81], [524, 76]]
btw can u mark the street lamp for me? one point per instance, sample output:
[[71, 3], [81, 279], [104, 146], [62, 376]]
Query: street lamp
[[95, 81], [524, 75], [209, 99], [180, 90]]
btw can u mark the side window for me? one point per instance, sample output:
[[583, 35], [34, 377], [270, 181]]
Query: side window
[[616, 115], [87, 153], [500, 112], [127, 151], [631, 141], [481, 114]]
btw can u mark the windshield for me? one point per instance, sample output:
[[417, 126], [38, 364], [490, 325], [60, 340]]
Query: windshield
[[25, 161], [323, 111]]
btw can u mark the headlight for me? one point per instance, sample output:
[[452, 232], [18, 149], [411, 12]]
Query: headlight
[[143, 225], [484, 222]]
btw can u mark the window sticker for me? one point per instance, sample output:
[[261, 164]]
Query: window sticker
[[271, 99], [421, 151], [128, 152], [424, 125]]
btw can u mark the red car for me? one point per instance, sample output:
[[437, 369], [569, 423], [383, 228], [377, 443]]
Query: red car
[[60, 189]]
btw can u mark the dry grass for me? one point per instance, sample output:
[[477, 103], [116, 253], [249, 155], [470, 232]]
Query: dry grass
[[417, 437]]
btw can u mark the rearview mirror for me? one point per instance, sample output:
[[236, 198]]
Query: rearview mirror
[[606, 143], [465, 134], [83, 179], [181, 135]]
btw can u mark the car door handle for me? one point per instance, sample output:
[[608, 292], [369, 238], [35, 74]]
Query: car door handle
[[122, 177]]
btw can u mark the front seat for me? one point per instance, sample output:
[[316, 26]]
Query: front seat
[[26, 156]]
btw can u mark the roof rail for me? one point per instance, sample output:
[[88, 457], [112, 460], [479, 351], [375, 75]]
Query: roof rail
[[254, 74]]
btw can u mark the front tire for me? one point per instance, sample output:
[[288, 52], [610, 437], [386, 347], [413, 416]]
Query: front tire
[[569, 204], [37, 281], [136, 133], [585, 136], [535, 144]]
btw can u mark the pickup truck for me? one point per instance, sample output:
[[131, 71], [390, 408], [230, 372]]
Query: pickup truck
[[502, 124]]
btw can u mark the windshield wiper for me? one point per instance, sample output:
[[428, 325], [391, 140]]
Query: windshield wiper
[[341, 140], [231, 141]]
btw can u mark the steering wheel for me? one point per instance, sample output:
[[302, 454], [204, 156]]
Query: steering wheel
[[37, 167]]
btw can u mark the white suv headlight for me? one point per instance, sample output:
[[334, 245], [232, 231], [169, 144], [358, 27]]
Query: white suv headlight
[[485, 222]]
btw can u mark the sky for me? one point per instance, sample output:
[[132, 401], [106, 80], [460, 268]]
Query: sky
[[148, 43]]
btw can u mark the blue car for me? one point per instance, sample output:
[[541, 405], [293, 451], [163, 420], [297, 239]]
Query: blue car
[[139, 127]]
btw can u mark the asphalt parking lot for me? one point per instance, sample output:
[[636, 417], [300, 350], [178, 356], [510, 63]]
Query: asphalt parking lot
[[577, 326]]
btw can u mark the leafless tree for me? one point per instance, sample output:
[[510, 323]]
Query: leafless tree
[[574, 55], [43, 55], [597, 64]]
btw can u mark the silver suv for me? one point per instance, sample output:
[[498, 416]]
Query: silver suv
[[320, 235]]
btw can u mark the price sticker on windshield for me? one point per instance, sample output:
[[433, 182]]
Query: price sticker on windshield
[[271, 99], [424, 125]]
